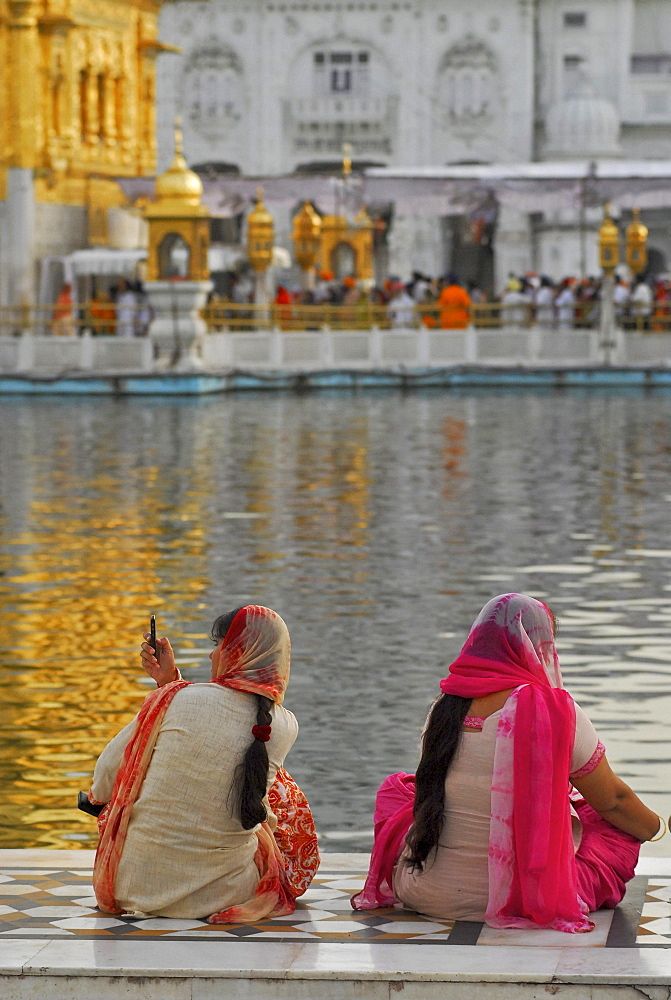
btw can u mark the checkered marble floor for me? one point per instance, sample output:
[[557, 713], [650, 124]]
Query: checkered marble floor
[[57, 902], [655, 921]]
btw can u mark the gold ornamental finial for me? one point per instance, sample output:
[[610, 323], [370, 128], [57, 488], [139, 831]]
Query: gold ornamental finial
[[178, 183], [609, 239], [179, 136], [347, 158], [636, 244], [260, 235], [306, 236]]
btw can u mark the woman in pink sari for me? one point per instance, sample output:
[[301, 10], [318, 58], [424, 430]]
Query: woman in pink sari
[[514, 816], [201, 818]]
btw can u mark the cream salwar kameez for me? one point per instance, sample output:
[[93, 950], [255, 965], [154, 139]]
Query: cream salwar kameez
[[186, 853]]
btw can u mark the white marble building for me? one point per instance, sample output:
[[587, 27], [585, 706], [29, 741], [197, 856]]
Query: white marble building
[[269, 88]]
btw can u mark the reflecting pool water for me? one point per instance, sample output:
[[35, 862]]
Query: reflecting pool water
[[377, 525]]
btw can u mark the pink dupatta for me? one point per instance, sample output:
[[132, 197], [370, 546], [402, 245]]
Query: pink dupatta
[[255, 657], [532, 869]]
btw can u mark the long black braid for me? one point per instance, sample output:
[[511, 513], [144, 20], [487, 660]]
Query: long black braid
[[251, 774], [439, 746]]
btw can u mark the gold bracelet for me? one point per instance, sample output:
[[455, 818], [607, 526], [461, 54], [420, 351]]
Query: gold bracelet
[[663, 827]]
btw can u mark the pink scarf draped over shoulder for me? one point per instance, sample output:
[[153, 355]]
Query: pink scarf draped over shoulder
[[532, 870]]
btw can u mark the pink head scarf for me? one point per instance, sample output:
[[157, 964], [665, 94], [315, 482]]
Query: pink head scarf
[[256, 654], [532, 872], [511, 643]]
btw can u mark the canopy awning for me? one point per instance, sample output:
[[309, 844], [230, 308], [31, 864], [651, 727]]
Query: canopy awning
[[529, 187], [101, 260], [546, 186]]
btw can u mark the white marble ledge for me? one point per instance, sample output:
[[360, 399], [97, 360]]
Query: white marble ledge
[[29, 988], [16, 954], [616, 966], [424, 963], [360, 967], [336, 961], [295, 961]]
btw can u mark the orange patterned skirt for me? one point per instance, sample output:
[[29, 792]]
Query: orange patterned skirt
[[295, 834], [287, 860]]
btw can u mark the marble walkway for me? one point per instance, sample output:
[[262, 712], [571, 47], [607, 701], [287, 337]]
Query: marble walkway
[[54, 945]]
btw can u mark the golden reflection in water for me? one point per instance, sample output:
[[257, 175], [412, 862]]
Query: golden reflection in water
[[95, 555], [325, 482]]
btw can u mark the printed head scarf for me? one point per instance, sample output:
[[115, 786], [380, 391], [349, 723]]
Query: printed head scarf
[[256, 654]]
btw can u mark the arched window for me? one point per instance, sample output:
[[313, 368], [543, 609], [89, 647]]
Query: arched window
[[213, 93], [84, 104], [119, 104], [102, 105], [343, 261], [56, 105], [467, 82], [174, 257]]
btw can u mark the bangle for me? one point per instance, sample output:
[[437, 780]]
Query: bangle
[[660, 832]]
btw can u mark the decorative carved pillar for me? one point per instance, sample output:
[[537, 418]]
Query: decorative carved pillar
[[124, 105], [110, 110], [147, 113], [24, 100], [56, 109], [91, 98], [88, 110], [108, 132]]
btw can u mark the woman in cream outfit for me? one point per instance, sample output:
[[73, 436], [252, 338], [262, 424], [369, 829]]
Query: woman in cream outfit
[[190, 830]]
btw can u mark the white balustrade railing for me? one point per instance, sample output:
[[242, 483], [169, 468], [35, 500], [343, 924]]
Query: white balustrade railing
[[296, 351]]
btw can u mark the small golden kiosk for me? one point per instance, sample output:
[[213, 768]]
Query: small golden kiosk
[[347, 247], [178, 275], [179, 226]]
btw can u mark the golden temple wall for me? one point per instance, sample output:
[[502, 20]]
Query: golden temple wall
[[77, 103], [78, 86]]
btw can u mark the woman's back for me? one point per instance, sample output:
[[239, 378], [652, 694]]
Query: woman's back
[[455, 881], [186, 852]]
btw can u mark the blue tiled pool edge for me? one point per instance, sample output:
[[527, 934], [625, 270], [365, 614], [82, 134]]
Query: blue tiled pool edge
[[206, 383]]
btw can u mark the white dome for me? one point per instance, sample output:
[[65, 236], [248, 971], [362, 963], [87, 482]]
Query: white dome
[[582, 124]]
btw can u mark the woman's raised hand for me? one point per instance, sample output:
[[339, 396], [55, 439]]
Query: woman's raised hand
[[163, 670]]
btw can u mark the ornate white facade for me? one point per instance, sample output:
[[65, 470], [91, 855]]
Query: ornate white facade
[[268, 88]]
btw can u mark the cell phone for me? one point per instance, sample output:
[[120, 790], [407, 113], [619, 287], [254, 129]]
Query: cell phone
[[86, 806], [152, 636]]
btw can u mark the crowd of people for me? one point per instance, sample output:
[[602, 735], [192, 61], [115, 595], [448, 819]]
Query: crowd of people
[[528, 299], [122, 310], [574, 302], [443, 303]]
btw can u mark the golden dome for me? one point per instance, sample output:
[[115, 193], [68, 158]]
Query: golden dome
[[178, 183], [259, 216], [260, 235], [608, 232], [636, 231]]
